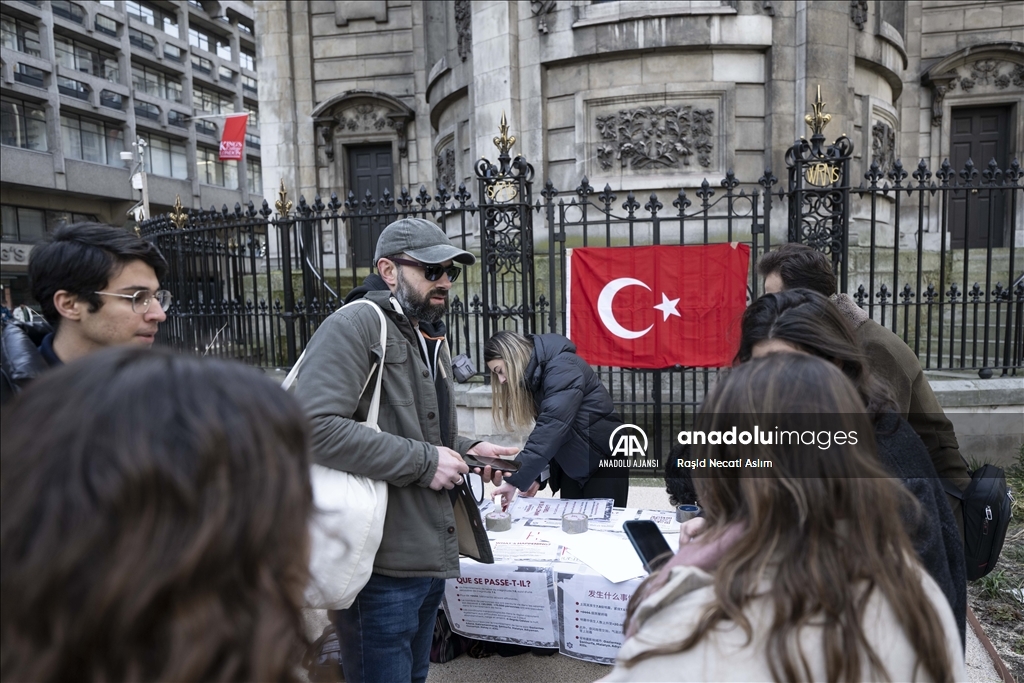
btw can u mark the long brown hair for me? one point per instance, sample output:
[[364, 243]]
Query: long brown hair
[[512, 407], [812, 323], [817, 525], [153, 527]]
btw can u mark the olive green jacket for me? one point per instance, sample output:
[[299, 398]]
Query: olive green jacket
[[894, 363], [419, 528]]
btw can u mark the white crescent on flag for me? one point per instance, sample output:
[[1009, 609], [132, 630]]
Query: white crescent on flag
[[604, 308]]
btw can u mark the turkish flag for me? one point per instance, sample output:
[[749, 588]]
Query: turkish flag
[[657, 307], [233, 141]]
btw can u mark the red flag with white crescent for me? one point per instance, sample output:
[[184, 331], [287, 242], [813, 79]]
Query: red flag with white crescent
[[658, 307], [232, 142]]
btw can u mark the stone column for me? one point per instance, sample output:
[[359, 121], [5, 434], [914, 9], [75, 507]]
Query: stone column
[[279, 153], [495, 55], [828, 62]]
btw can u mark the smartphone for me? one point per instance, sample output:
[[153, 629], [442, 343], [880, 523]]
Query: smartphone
[[499, 464], [648, 542]]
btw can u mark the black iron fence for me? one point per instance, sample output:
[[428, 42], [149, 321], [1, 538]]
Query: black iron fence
[[936, 259]]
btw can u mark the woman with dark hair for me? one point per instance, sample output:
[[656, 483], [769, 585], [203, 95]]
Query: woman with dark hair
[[154, 523], [538, 379], [800, 320], [800, 573]]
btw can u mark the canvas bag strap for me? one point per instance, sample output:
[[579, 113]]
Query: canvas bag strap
[[374, 412]]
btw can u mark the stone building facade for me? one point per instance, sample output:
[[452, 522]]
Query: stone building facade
[[645, 95]]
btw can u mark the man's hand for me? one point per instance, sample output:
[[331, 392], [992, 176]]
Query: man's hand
[[450, 468], [532, 491], [491, 450]]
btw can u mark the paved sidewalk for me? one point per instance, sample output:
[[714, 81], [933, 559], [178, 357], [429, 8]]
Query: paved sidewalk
[[561, 669]]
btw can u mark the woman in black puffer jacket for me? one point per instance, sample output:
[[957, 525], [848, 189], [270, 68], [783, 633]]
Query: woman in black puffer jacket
[[540, 378]]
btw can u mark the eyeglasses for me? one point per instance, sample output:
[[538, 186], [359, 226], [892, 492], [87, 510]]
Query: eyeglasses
[[141, 299], [432, 272]]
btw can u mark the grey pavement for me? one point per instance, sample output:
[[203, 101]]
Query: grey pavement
[[561, 669]]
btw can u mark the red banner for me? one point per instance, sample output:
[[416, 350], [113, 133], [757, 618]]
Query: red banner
[[657, 307], [232, 143]]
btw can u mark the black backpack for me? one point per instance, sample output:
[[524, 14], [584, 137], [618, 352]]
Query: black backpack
[[986, 509]]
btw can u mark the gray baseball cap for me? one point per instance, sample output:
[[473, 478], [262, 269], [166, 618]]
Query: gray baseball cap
[[421, 240]]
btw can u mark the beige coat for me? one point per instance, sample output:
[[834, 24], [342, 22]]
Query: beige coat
[[671, 613]]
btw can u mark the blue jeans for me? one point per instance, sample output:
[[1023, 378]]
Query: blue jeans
[[385, 635]]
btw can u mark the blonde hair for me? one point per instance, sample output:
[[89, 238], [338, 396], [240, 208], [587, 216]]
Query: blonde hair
[[512, 407]]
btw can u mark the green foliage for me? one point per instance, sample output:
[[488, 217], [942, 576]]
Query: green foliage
[[993, 584]]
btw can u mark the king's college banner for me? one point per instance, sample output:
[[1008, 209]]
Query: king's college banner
[[232, 142], [657, 307]]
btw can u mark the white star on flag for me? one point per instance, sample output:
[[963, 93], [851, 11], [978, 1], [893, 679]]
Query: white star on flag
[[668, 307]]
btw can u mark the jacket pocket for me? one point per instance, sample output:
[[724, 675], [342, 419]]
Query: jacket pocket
[[398, 384]]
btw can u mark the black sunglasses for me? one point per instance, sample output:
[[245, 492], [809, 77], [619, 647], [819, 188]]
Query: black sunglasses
[[432, 272]]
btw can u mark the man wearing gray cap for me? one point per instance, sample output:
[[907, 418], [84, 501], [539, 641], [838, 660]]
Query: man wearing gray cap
[[386, 634]]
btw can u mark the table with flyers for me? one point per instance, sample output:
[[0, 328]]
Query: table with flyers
[[551, 589]]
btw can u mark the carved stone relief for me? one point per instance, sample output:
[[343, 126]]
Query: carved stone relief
[[883, 145], [859, 13], [445, 168], [656, 137], [982, 74], [541, 9], [464, 27], [356, 120]]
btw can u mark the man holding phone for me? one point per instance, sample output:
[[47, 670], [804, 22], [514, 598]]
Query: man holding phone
[[386, 634]]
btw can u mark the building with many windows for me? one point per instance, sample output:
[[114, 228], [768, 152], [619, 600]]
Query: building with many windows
[[83, 82]]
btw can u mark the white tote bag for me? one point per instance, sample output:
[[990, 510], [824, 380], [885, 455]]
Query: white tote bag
[[348, 519]]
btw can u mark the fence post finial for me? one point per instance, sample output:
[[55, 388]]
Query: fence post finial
[[283, 204], [504, 141], [178, 215], [819, 119]]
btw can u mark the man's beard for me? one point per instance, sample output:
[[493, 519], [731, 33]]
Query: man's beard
[[419, 307]]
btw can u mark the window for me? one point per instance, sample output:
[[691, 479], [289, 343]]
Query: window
[[108, 3], [106, 25], [147, 110], [206, 127], [254, 172], [224, 48], [22, 224], [212, 171], [247, 59], [156, 83], [244, 27], [254, 116], [199, 39], [24, 124], [249, 84], [212, 102], [29, 75], [109, 98], [69, 10], [85, 58], [20, 36], [172, 52], [154, 16], [140, 11], [165, 157], [201, 64], [177, 118], [225, 74], [72, 88], [91, 140], [140, 39]]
